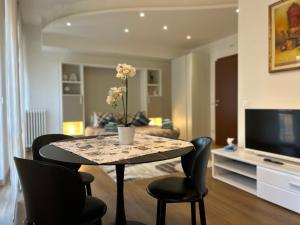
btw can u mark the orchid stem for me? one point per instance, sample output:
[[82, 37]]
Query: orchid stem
[[126, 111], [123, 106]]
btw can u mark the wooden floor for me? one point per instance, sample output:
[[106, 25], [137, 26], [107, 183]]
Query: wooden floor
[[225, 205], [5, 204]]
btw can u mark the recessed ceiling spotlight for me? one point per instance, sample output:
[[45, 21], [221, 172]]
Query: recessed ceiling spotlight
[[142, 14], [126, 30], [68, 24], [237, 10], [165, 27], [188, 37]]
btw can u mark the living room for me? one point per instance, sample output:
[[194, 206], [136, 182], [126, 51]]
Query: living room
[[66, 52]]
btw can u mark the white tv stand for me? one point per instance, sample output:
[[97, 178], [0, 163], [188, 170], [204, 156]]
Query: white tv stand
[[245, 170]]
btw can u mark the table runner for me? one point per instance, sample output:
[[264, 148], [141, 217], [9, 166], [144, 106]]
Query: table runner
[[107, 149]]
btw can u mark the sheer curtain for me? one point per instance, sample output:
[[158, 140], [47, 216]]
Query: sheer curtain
[[13, 91], [3, 167]]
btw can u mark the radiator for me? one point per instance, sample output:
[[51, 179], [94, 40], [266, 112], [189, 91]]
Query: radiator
[[35, 125]]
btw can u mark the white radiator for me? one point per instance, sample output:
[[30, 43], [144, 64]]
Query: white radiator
[[35, 125]]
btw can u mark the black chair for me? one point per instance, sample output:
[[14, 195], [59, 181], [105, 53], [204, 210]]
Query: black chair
[[191, 188], [55, 195], [43, 140]]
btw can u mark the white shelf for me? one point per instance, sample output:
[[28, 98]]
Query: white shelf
[[154, 85], [72, 95], [238, 167], [154, 95], [239, 181], [71, 82]]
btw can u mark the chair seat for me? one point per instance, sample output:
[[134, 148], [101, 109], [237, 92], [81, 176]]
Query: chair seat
[[86, 178], [174, 189], [93, 208]]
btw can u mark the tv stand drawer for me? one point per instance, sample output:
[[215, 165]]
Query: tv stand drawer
[[279, 179], [279, 196]]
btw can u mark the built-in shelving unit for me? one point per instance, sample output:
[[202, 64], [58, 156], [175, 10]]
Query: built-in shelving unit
[[72, 98], [71, 79], [151, 90], [154, 83]]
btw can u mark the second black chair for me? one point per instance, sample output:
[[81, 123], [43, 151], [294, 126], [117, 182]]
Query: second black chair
[[43, 140], [55, 195], [191, 188]]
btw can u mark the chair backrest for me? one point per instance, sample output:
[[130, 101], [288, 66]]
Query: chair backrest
[[195, 163], [43, 140], [53, 194]]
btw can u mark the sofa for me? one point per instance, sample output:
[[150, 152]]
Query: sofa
[[150, 130]]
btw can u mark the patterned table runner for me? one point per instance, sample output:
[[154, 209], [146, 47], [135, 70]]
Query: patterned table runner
[[107, 149]]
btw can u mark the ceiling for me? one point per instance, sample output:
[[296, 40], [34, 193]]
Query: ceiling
[[98, 26]]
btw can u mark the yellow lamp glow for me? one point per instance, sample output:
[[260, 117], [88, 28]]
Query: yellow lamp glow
[[73, 128], [155, 121]]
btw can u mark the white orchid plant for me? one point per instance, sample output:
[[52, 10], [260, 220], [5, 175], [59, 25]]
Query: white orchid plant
[[117, 94]]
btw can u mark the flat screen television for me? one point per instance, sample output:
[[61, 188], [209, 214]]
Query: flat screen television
[[273, 131]]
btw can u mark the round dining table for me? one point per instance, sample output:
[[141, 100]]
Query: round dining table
[[56, 154]]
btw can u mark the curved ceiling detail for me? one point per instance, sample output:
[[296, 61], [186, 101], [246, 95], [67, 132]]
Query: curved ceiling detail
[[142, 9], [45, 11], [98, 26]]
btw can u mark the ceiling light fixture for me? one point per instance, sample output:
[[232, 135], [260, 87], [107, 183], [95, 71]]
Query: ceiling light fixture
[[165, 27], [126, 30], [237, 10], [142, 14], [188, 37], [68, 24]]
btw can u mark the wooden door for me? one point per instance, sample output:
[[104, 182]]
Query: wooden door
[[226, 102]]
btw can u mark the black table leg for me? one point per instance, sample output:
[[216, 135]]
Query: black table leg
[[120, 211]]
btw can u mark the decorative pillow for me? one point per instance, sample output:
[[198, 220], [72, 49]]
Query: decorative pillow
[[120, 117], [105, 118], [140, 119], [94, 120], [167, 124]]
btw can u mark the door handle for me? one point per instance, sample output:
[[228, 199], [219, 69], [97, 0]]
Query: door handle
[[217, 101]]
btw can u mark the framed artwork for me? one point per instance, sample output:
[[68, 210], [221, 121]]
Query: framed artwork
[[284, 35]]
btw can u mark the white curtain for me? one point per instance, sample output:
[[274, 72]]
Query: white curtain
[[2, 94], [13, 106]]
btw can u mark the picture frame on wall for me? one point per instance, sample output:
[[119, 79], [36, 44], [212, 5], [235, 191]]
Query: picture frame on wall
[[284, 36]]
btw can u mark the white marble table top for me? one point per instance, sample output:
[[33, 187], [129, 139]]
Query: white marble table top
[[107, 149]]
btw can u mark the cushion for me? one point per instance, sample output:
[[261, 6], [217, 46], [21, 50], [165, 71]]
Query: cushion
[[167, 124], [93, 208], [173, 189], [105, 118], [120, 117], [94, 120], [140, 119]]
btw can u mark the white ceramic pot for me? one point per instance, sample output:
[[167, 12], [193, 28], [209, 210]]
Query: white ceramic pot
[[126, 135]]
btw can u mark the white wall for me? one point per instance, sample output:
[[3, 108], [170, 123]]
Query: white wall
[[44, 74], [181, 113], [215, 50], [257, 87], [190, 95], [201, 94]]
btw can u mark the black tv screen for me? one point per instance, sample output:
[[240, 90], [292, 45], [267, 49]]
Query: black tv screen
[[273, 131]]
